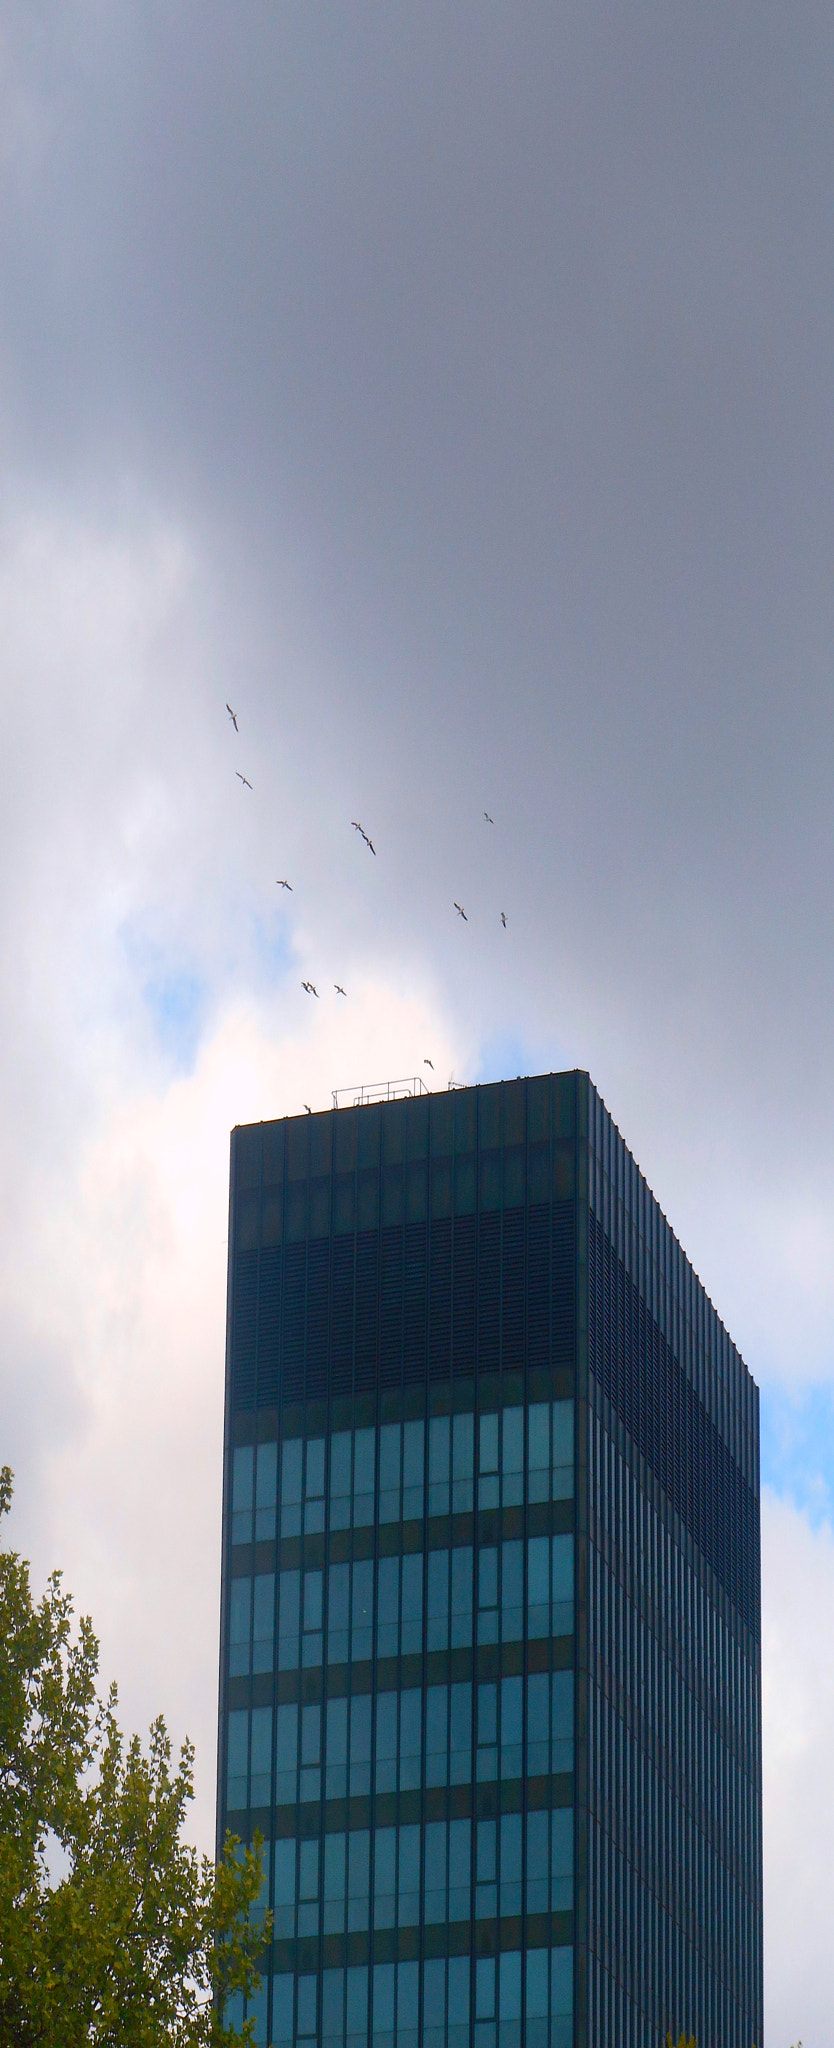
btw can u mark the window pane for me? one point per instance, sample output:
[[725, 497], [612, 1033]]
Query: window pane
[[388, 1604], [283, 1988], [413, 1459], [390, 1444], [242, 1474], [286, 1740], [436, 1712], [437, 1600], [412, 1608], [291, 1472], [336, 1751], [410, 1733], [462, 1564], [513, 1440], [363, 1477], [386, 1741], [561, 1982], [315, 1468], [341, 1451], [264, 1609]]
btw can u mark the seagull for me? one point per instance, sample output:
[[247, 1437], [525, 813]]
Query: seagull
[[242, 778], [361, 829], [284, 885], [232, 716], [308, 1109], [504, 919], [340, 991], [311, 989], [490, 821], [461, 913], [429, 1063]]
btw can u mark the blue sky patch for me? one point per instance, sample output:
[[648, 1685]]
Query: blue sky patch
[[797, 1443]]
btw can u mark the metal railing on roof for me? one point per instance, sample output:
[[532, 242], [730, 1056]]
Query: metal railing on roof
[[379, 1091]]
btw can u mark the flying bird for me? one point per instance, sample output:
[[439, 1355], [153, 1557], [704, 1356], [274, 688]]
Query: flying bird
[[242, 778], [361, 829], [461, 913], [284, 885], [340, 991], [429, 1063], [504, 919], [310, 987], [490, 821], [232, 716]]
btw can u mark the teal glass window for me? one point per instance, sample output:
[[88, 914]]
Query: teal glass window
[[486, 1762], [408, 1875], [509, 1896], [512, 1695], [283, 2002], [414, 1451], [385, 1876], [412, 1604], [310, 1778], [550, 1585], [359, 1865], [263, 1616], [440, 1435], [341, 1462], [512, 1456], [336, 1758], [266, 1480], [338, 1614], [261, 1757], [292, 1454], [237, 1757], [364, 1459], [463, 1463], [283, 1890], [388, 1607], [486, 1870], [334, 1884], [289, 1615], [360, 1745], [240, 1621], [387, 1712], [362, 1603], [243, 1482], [286, 1747]]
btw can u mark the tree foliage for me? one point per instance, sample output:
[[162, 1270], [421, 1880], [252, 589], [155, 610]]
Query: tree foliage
[[112, 1930]]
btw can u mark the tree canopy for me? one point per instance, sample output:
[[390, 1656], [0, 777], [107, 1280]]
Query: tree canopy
[[112, 1930]]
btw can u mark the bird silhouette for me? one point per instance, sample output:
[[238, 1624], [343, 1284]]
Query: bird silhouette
[[504, 919], [340, 991], [242, 778], [461, 913], [308, 1109], [284, 885], [232, 716], [429, 1063], [310, 987], [490, 821], [361, 829]]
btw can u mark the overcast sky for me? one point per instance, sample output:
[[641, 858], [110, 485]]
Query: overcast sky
[[449, 387]]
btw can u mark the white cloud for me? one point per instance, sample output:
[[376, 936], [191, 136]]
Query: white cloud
[[127, 1279], [798, 1719]]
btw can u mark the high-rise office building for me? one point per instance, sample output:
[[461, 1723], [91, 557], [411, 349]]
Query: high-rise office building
[[490, 1658]]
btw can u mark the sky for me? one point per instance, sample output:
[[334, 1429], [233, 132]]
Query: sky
[[448, 388]]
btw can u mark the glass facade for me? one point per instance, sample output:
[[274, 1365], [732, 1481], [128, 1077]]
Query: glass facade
[[427, 1605]]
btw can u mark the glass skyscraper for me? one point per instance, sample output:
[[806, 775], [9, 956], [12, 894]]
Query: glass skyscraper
[[490, 1645]]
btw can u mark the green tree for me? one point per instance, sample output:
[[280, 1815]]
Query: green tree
[[134, 1941]]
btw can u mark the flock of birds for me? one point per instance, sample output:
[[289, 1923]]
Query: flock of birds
[[283, 883]]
